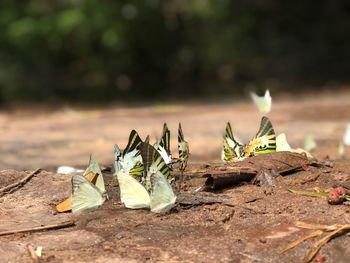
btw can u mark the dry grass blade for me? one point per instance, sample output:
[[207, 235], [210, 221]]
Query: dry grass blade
[[323, 194], [316, 226], [313, 251], [302, 239]]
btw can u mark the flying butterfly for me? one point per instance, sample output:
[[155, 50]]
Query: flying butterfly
[[309, 143], [232, 150], [346, 138], [130, 160], [263, 103], [157, 193], [94, 175], [264, 141], [183, 149], [163, 147]]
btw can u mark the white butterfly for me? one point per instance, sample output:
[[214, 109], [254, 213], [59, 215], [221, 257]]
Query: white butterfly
[[263, 103], [346, 138], [283, 146], [132, 193], [86, 196], [68, 170]]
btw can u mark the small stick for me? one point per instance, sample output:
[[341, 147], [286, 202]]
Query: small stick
[[13, 187], [39, 228]]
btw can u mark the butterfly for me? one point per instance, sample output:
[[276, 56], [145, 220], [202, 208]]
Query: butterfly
[[130, 160], [283, 146], [263, 142], [232, 149], [183, 149], [163, 147], [94, 175], [346, 138], [157, 193], [263, 103], [309, 142], [87, 196]]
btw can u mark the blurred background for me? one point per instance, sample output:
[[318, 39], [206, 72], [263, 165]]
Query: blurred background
[[76, 76], [93, 51]]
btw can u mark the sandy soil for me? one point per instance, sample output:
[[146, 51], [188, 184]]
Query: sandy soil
[[252, 225]]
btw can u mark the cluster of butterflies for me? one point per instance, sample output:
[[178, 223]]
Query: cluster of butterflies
[[142, 172], [265, 141]]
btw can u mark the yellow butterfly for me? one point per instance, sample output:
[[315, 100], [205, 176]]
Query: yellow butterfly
[[93, 174], [86, 196]]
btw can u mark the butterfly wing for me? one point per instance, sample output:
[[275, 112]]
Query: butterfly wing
[[232, 150], [264, 141], [282, 144], [162, 195], [263, 103], [96, 170], [131, 161], [151, 158], [183, 148], [64, 206], [133, 143], [86, 196], [118, 157], [164, 145], [132, 192]]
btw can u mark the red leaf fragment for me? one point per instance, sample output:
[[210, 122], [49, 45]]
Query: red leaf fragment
[[305, 167], [320, 258]]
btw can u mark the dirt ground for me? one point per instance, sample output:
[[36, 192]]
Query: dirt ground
[[252, 224]]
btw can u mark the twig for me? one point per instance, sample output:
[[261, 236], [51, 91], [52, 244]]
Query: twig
[[13, 187], [39, 228]]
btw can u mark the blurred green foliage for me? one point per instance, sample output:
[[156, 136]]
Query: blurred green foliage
[[101, 50]]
